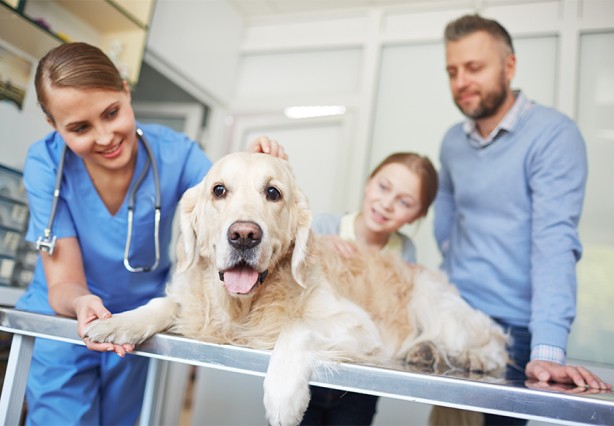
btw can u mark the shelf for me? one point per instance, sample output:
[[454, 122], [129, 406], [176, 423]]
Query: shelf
[[120, 26], [24, 34], [141, 10], [106, 16]]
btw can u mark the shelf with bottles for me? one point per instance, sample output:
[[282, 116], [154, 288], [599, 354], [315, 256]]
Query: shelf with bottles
[[11, 184], [118, 27], [18, 257], [17, 271], [24, 33]]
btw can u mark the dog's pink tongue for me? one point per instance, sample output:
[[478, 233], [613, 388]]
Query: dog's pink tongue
[[240, 280]]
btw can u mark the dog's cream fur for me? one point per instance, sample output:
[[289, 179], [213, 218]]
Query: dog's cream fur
[[314, 306]]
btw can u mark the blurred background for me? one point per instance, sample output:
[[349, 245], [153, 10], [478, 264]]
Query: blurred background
[[226, 71]]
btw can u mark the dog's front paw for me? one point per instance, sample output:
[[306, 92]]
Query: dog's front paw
[[285, 400], [118, 329]]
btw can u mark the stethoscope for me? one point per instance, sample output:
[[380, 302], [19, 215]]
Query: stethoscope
[[46, 242]]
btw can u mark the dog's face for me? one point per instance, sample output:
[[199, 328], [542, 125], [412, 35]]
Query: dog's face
[[244, 217]]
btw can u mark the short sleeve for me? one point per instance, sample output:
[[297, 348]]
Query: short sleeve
[[326, 223], [39, 177]]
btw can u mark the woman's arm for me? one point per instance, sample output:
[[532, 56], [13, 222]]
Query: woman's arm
[[69, 294]]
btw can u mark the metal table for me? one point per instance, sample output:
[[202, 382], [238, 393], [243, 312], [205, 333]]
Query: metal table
[[478, 393]]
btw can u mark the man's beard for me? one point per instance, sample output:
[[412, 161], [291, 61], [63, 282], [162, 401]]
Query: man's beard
[[489, 104]]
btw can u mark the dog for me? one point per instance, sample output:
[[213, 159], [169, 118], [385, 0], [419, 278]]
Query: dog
[[250, 272]]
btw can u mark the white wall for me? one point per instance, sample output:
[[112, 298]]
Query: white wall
[[387, 66], [201, 39]]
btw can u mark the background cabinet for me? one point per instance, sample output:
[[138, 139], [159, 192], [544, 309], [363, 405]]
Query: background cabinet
[[17, 256], [118, 27], [23, 33]]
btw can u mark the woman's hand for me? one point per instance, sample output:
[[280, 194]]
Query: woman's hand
[[267, 146], [90, 308]]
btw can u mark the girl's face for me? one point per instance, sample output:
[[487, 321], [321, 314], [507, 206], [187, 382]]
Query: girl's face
[[97, 124], [391, 198]]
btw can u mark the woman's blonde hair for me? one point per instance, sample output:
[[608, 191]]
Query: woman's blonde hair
[[76, 65]]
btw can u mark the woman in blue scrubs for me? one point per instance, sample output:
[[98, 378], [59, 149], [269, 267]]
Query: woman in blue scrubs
[[87, 103]]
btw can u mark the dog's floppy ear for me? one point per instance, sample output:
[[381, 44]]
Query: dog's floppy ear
[[186, 244], [301, 242]]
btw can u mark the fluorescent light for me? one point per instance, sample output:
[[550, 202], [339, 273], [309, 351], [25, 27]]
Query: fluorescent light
[[314, 111]]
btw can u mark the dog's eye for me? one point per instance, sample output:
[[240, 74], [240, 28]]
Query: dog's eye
[[273, 194], [219, 191]]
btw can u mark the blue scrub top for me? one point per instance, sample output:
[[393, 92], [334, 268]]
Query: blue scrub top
[[102, 236]]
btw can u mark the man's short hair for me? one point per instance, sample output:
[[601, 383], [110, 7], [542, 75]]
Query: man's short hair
[[469, 24]]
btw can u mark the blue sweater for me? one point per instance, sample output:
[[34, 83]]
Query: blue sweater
[[506, 220]]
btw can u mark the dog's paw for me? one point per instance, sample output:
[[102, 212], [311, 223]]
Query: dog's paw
[[118, 329], [424, 354], [285, 400]]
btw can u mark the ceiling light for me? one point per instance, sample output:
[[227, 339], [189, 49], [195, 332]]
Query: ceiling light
[[314, 111]]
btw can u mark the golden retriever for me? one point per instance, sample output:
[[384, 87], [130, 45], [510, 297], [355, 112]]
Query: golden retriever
[[250, 272]]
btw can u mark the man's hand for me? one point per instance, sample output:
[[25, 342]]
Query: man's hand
[[564, 388], [545, 371]]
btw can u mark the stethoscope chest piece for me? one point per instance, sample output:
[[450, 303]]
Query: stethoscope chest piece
[[46, 243]]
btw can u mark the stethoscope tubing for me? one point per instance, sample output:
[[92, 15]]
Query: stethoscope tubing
[[157, 207], [46, 242]]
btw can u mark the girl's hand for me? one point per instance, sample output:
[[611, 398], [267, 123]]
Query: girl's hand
[[267, 146], [343, 247], [90, 308]]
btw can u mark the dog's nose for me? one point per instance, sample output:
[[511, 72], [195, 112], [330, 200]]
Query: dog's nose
[[244, 235]]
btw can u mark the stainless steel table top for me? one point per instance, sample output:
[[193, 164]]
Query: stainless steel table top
[[559, 404]]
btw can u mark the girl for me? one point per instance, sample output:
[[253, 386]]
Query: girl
[[399, 191]]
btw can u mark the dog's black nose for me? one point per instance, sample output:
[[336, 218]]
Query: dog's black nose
[[244, 235]]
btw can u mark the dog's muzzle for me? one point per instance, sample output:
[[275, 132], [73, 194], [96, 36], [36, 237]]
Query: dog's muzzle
[[244, 237]]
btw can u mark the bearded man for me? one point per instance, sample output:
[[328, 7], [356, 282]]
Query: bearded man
[[512, 183]]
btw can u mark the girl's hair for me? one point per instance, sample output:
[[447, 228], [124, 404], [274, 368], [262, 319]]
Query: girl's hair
[[469, 24], [423, 168], [76, 65]]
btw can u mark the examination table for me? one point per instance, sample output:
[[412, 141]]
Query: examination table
[[452, 389]]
